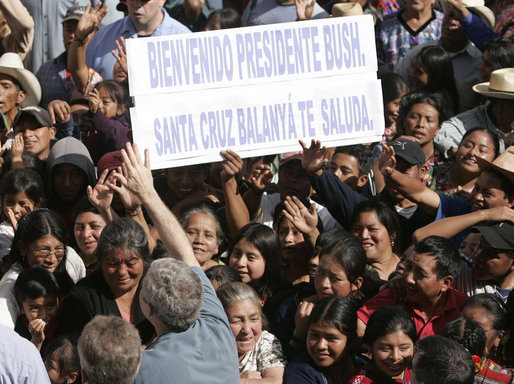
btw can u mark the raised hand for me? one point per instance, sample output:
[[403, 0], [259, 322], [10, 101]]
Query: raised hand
[[231, 166], [304, 9], [314, 157], [130, 201], [305, 220], [101, 195], [37, 331], [59, 111], [121, 55], [138, 176], [261, 180], [89, 21], [386, 161], [17, 148], [94, 101]]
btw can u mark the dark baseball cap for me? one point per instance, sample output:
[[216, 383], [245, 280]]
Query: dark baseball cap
[[40, 114], [74, 13], [497, 235], [408, 150]]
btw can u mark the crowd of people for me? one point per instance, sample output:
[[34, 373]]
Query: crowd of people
[[388, 262]]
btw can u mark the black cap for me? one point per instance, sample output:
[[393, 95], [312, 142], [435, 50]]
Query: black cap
[[497, 235], [40, 114], [408, 150]]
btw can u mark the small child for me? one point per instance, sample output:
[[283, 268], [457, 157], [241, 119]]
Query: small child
[[394, 87], [62, 361], [21, 192], [38, 295], [108, 113]]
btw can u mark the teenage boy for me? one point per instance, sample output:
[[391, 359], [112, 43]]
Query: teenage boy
[[35, 126]]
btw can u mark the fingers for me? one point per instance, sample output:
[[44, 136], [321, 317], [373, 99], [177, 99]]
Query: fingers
[[103, 176]]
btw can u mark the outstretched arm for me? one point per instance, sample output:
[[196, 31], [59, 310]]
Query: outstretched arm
[[412, 189], [451, 226], [139, 181], [235, 208], [86, 28]]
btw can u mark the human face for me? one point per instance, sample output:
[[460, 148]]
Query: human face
[[346, 168], [36, 138], [10, 96], [422, 123], [289, 236], [293, 180], [423, 286], [69, 182], [19, 204], [68, 32], [487, 192], [87, 230], [145, 12], [246, 325], [201, 232], [54, 371], [491, 264], [470, 245], [109, 107], [418, 76], [247, 261], [486, 67], [374, 236], [418, 5], [326, 345], [46, 252], [122, 270], [485, 320], [185, 181], [392, 110], [452, 33], [392, 353], [477, 144], [45, 308], [331, 279]]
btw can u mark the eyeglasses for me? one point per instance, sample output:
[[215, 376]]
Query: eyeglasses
[[44, 253]]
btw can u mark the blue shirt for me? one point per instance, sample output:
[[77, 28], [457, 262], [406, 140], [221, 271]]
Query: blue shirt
[[21, 361], [450, 206], [98, 54], [52, 77]]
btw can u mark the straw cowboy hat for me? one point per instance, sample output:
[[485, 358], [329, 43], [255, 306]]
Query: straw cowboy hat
[[10, 64], [346, 9], [501, 85], [504, 163], [476, 6]]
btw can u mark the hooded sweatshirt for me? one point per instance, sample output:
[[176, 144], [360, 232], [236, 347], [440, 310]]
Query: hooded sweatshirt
[[67, 151]]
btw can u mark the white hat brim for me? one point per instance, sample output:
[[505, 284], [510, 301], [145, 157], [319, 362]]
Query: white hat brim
[[483, 89], [28, 82]]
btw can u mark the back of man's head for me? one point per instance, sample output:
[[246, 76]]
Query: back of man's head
[[441, 360], [109, 350], [175, 293]]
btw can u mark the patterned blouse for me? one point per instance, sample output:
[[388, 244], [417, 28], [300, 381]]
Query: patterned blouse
[[266, 353], [394, 37]]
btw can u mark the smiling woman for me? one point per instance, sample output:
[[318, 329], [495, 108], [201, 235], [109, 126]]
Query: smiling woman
[[113, 289]]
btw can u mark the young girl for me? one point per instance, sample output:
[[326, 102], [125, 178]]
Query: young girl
[[22, 191], [390, 336], [108, 114], [39, 241], [38, 297], [255, 255], [260, 354], [331, 330], [461, 175], [62, 361], [394, 88]]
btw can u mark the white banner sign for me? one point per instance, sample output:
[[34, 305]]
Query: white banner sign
[[255, 90]]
